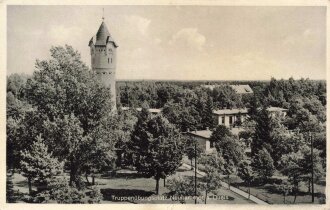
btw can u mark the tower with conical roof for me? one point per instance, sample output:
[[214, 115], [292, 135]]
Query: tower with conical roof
[[103, 58]]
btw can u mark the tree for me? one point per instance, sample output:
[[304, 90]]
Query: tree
[[229, 147], [158, 147], [10, 193], [213, 166], [100, 148], [139, 137], [293, 170], [285, 187], [262, 134], [219, 134], [63, 85], [263, 164], [182, 116], [70, 106], [183, 188], [246, 173], [207, 114], [38, 164], [190, 150], [225, 97], [122, 126]]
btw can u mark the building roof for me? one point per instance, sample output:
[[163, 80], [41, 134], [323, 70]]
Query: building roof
[[140, 109], [230, 111], [103, 36], [276, 109], [211, 87], [239, 89], [201, 133], [242, 89]]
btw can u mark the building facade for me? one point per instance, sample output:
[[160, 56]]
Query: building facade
[[230, 117], [202, 139], [104, 59]]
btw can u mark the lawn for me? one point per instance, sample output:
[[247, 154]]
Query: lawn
[[267, 193], [127, 183]]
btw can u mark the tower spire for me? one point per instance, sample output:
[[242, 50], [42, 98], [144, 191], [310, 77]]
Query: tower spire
[[103, 14]]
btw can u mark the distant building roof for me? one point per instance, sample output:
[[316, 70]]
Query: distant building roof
[[239, 89], [140, 109], [242, 89], [230, 111], [276, 109], [211, 87], [201, 133]]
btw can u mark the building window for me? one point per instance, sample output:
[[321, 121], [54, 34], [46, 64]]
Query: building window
[[108, 60], [211, 144], [111, 60], [230, 119], [222, 120]]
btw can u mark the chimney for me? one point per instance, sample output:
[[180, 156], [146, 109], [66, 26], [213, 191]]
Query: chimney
[[188, 130], [207, 128]]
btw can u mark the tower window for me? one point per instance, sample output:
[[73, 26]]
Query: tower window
[[108, 60], [111, 60]]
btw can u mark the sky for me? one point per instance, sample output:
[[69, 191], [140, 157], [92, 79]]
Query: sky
[[178, 42]]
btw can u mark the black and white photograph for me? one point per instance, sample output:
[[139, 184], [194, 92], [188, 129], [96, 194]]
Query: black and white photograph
[[166, 104]]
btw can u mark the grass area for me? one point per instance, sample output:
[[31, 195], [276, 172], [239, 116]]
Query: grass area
[[267, 193], [127, 183]]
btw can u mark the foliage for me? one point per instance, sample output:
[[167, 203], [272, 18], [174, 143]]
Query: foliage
[[285, 188], [219, 134], [190, 150], [262, 135], [213, 166], [10, 194], [60, 191], [39, 164], [71, 110], [225, 97], [63, 85], [157, 147], [245, 172], [183, 187], [263, 164], [229, 147], [184, 117], [95, 195]]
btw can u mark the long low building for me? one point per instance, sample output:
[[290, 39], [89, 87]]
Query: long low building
[[230, 117], [202, 138], [153, 111]]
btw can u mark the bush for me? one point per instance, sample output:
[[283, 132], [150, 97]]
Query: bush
[[60, 191], [95, 195]]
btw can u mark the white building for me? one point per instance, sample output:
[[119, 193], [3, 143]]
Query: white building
[[230, 117], [277, 111], [202, 138], [152, 111]]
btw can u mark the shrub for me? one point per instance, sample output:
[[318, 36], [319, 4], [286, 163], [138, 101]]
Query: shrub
[[95, 195]]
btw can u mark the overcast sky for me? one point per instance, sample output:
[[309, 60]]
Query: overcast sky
[[179, 42]]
